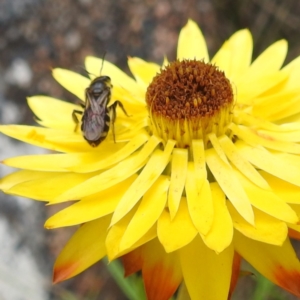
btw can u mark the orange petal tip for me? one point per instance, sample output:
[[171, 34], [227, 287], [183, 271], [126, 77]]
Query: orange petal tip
[[288, 280], [132, 262], [294, 234], [160, 287], [64, 272]]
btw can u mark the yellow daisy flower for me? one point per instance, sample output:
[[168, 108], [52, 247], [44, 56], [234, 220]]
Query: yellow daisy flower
[[205, 170]]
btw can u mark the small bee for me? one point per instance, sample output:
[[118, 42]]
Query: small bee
[[96, 120]]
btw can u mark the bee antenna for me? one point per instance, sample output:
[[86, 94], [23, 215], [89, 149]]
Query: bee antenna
[[102, 63]]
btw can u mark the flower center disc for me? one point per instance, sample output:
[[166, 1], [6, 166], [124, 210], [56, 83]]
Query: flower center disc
[[189, 99]]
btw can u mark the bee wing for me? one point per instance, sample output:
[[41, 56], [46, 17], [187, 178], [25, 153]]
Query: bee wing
[[101, 100], [94, 125], [95, 121]]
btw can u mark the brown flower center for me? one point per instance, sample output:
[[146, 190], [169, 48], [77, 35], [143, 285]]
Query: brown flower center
[[188, 100]]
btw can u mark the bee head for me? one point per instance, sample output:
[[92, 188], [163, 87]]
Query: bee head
[[100, 84]]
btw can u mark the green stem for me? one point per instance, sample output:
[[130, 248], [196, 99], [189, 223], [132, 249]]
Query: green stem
[[132, 286], [263, 288], [183, 293]]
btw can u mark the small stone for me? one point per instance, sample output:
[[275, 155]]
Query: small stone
[[19, 73]]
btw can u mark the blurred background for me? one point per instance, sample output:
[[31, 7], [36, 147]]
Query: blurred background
[[38, 35]]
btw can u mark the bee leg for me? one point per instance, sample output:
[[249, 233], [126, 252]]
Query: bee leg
[[75, 118], [117, 102], [112, 109]]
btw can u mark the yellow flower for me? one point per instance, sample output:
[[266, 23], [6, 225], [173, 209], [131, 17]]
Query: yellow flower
[[205, 170]]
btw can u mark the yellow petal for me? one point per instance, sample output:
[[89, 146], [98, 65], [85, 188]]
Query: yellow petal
[[112, 176], [178, 176], [199, 159], [289, 112], [199, 201], [230, 184], [53, 139], [191, 43], [267, 201], [90, 208], [290, 136], [278, 264], [255, 121], [148, 212], [108, 178], [53, 113], [120, 80], [22, 176], [271, 107], [292, 69], [94, 65], [60, 162], [76, 256], [222, 58], [241, 163], [165, 62], [116, 232], [126, 133], [240, 44], [246, 92], [108, 160], [143, 71], [73, 82], [217, 147], [153, 169], [114, 236], [267, 229], [48, 186], [176, 233], [253, 137], [270, 163], [286, 191], [220, 235], [206, 274], [289, 159], [267, 62]]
